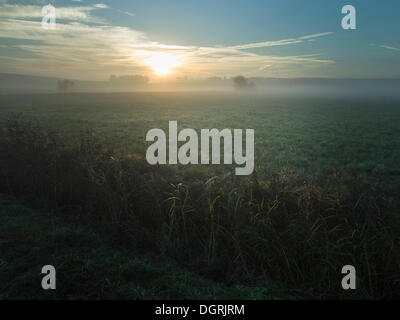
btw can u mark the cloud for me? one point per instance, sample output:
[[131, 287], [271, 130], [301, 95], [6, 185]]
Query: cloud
[[101, 6], [316, 35], [127, 13], [82, 45], [278, 42], [266, 44], [390, 48]]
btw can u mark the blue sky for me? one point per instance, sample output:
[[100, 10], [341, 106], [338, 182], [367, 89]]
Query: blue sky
[[286, 38]]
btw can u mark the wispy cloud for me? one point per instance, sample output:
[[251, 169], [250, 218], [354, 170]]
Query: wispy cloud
[[126, 12], [265, 44], [390, 48], [83, 42], [316, 35], [101, 6]]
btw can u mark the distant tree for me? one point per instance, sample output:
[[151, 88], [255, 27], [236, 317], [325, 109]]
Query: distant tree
[[65, 85], [112, 78], [242, 83]]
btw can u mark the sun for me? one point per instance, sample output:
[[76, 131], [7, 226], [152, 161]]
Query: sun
[[161, 62]]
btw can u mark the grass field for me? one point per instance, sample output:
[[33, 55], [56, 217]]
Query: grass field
[[310, 136], [324, 193]]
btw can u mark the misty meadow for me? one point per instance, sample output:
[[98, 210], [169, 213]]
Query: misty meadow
[[324, 194]]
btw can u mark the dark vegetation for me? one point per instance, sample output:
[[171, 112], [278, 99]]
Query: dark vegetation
[[242, 83], [93, 266], [65, 85], [294, 222]]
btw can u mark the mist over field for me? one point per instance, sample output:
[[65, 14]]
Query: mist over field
[[17, 83]]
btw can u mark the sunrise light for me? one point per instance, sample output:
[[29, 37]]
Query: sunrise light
[[161, 62]]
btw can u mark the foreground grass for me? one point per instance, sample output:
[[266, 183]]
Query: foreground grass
[[90, 266], [312, 205]]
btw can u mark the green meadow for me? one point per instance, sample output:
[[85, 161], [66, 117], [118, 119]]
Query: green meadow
[[324, 194]]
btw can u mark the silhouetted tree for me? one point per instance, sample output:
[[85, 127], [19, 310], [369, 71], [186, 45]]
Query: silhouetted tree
[[65, 85], [242, 83]]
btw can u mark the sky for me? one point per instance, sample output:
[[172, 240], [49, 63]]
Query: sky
[[169, 39]]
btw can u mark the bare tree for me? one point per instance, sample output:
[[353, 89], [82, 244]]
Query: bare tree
[[242, 83], [65, 85]]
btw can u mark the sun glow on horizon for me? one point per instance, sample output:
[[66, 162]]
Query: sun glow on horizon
[[161, 62]]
